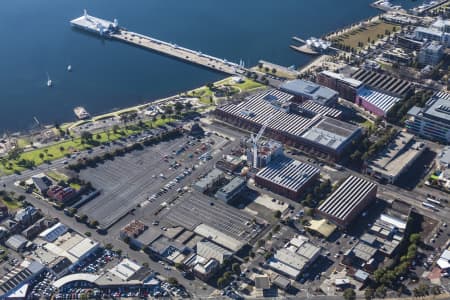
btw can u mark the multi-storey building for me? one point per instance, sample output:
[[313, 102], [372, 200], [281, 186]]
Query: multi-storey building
[[433, 120]]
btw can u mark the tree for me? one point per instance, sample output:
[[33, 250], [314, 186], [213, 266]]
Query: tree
[[116, 128], [221, 282], [369, 293], [61, 149], [308, 211], [41, 156], [172, 281], [86, 136], [277, 214], [178, 107], [380, 292], [356, 156], [414, 238], [261, 242], [435, 290], [168, 110], [349, 294], [236, 268], [227, 275]]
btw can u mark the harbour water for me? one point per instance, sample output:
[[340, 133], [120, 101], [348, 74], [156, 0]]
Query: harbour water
[[37, 39]]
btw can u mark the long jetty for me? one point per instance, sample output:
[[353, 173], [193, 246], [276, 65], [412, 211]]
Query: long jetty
[[112, 30]]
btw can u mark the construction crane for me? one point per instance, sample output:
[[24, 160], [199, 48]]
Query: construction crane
[[255, 139]]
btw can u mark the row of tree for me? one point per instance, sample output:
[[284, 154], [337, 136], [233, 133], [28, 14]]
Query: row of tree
[[397, 114], [364, 149], [94, 161]]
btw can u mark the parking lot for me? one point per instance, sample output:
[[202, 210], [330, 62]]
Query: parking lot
[[142, 177], [196, 208]]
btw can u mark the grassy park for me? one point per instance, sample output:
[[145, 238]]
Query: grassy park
[[365, 34], [58, 150], [11, 203], [206, 93], [21, 161]]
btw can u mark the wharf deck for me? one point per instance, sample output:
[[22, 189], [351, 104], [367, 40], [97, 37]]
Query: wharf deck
[[177, 52], [112, 30]]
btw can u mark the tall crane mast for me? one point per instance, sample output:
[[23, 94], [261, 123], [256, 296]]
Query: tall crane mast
[[256, 138]]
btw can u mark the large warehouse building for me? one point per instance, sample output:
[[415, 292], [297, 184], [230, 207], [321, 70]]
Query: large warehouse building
[[287, 177], [384, 83], [351, 197], [314, 132], [375, 102]]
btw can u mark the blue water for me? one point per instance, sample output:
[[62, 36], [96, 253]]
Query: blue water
[[37, 38]]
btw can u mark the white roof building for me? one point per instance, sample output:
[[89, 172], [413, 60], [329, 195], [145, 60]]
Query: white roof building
[[125, 269], [208, 250], [52, 233]]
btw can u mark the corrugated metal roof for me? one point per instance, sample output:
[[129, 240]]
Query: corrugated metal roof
[[317, 108], [288, 173], [256, 109], [380, 100], [348, 196]]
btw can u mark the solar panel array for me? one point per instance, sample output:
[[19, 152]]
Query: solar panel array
[[323, 110], [380, 100], [347, 197], [288, 173], [443, 108], [13, 279], [256, 109], [442, 95], [383, 82]]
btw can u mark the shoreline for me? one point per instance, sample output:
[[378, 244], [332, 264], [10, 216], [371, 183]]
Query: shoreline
[[116, 111]]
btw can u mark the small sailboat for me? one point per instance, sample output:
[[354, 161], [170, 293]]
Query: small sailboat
[[49, 81], [69, 68]]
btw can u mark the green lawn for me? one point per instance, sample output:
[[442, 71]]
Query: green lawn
[[204, 93], [57, 176], [434, 177], [249, 84], [12, 205], [21, 142], [367, 124], [363, 34], [75, 186], [63, 148]]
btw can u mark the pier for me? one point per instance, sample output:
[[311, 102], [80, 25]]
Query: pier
[[312, 46], [112, 30]]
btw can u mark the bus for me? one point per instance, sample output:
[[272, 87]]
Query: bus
[[428, 205], [434, 201]]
